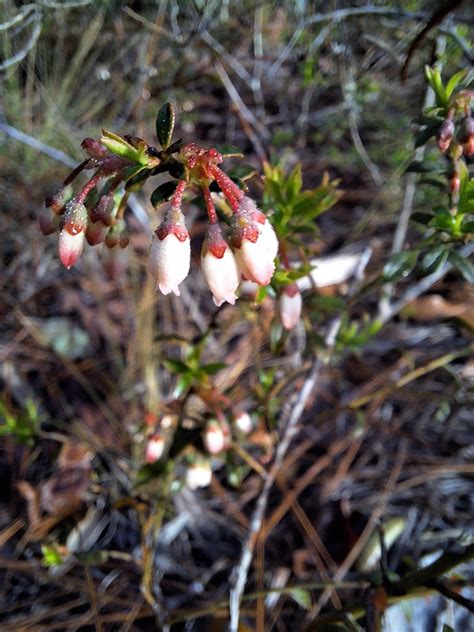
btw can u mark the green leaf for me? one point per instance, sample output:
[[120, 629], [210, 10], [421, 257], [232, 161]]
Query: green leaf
[[213, 367], [454, 82], [147, 472], [276, 333], [435, 181], [417, 166], [183, 384], [434, 259], [51, 556], [119, 146], [422, 218], [443, 220], [423, 135], [229, 151], [175, 366], [463, 265], [163, 193], [399, 265], [302, 597], [466, 190], [261, 294], [241, 172], [434, 78], [165, 120], [295, 182], [468, 227], [281, 276], [424, 119], [135, 182]]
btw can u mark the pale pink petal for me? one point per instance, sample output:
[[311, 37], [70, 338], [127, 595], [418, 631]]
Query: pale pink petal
[[155, 448], [290, 309], [255, 262], [199, 474], [221, 275], [169, 262], [70, 247], [244, 422]]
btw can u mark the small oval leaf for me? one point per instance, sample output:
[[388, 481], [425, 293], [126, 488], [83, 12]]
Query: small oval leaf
[[399, 265], [165, 124], [162, 193]]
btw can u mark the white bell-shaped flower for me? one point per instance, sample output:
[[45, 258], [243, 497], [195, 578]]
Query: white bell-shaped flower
[[199, 474], [255, 243], [243, 422], [170, 252], [155, 448], [221, 275], [213, 437], [291, 303]]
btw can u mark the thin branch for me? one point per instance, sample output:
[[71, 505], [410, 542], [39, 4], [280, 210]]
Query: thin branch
[[290, 426], [452, 595], [409, 197], [366, 533], [56, 154], [19, 17], [241, 571], [419, 288], [237, 100], [348, 88], [229, 59], [248, 120], [442, 11], [36, 20], [342, 14], [34, 143]]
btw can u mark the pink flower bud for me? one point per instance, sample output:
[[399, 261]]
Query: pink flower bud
[[170, 252], [117, 234], [155, 448], [70, 247], [255, 242], [57, 202], [454, 182], [445, 134], [199, 474], [219, 267], [104, 211], [243, 422], [72, 236], [469, 146], [468, 136], [95, 233], [48, 222], [94, 148], [290, 306], [213, 437]]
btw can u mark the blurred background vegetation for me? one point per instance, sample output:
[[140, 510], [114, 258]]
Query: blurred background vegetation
[[89, 537]]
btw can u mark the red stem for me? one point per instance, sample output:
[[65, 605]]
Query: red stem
[[284, 256], [177, 198], [211, 209], [88, 188], [231, 191]]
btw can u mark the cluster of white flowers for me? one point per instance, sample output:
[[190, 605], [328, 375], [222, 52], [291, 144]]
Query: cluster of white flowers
[[249, 252], [216, 438]]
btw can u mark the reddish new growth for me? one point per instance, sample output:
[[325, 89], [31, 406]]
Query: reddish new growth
[[95, 214]]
